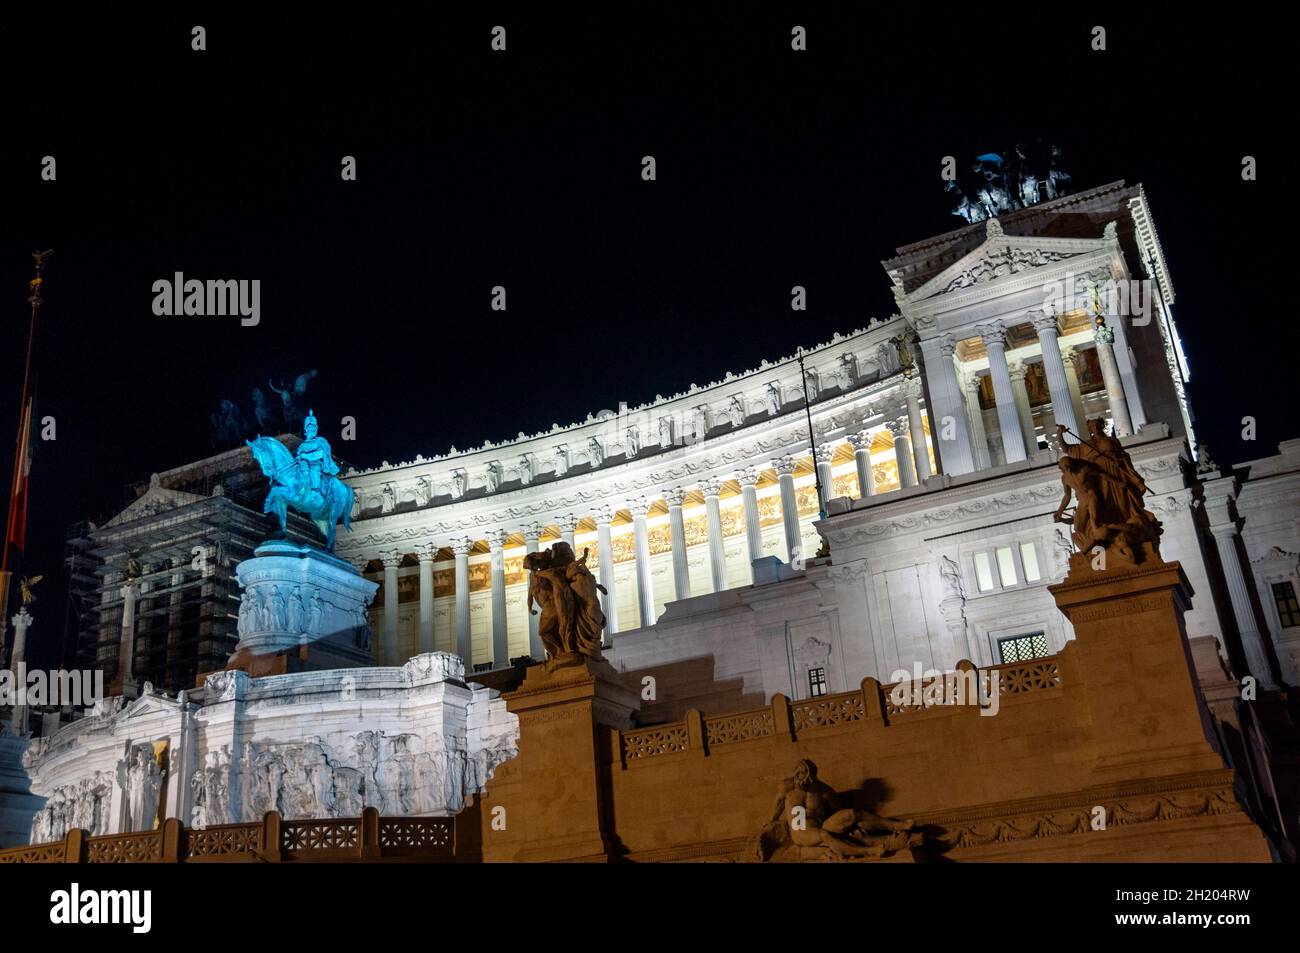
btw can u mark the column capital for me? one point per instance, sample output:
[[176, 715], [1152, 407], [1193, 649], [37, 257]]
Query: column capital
[[568, 523], [461, 545], [1043, 322], [603, 514], [825, 453], [1103, 334], [497, 539], [860, 440], [992, 333], [969, 380], [532, 531], [784, 465], [748, 476], [1016, 370], [426, 552], [912, 388], [639, 506], [391, 558], [674, 496], [899, 427], [23, 619], [946, 345], [711, 486]]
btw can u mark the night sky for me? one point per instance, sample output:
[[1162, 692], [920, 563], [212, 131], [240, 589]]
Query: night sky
[[522, 169]]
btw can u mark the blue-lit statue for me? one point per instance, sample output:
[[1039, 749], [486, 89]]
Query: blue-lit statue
[[307, 481]]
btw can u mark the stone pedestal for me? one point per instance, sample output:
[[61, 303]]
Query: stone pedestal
[[302, 609], [1145, 705], [552, 802]]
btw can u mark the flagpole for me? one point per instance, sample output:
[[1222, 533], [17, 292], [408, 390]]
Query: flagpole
[[19, 451]]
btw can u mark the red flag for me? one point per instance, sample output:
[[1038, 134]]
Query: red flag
[[18, 498]]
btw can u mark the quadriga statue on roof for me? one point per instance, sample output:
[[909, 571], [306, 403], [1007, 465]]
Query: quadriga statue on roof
[[307, 481], [1108, 492]]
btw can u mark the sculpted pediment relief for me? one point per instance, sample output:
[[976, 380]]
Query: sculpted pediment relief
[[157, 499], [1002, 256]]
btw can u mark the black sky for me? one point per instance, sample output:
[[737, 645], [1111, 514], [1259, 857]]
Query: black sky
[[522, 169]]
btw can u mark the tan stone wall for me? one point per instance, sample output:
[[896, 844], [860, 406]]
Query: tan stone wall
[[1115, 723]]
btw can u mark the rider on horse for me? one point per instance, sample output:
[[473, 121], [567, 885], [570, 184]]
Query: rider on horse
[[314, 458]]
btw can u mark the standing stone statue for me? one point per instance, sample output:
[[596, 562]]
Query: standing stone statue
[[571, 620], [1108, 492]]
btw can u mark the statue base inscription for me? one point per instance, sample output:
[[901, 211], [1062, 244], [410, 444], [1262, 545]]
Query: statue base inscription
[[302, 608]]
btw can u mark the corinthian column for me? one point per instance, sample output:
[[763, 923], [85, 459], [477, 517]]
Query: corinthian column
[[500, 642], [711, 488], [861, 442], [645, 595], [1119, 416], [605, 544], [947, 415], [789, 506], [902, 452], [675, 498], [1252, 643], [1024, 413], [126, 647], [532, 534], [912, 393], [979, 439], [426, 553], [825, 455], [22, 622], [1057, 383], [748, 478], [464, 648], [392, 559], [1013, 443], [568, 528], [1071, 357]]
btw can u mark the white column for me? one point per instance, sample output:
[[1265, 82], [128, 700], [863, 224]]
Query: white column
[[947, 414], [789, 507], [1252, 643], [500, 644], [568, 528], [970, 391], [675, 497], [1057, 383], [1070, 357], [391, 560], [21, 622], [1013, 443], [532, 532], [748, 478], [126, 643], [640, 507], [711, 488], [1024, 413], [464, 648], [861, 442], [902, 452], [605, 545], [1124, 361], [1119, 416], [912, 392], [426, 552], [825, 454]]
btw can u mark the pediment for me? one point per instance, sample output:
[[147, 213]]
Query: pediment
[[157, 499], [1004, 256], [148, 704]]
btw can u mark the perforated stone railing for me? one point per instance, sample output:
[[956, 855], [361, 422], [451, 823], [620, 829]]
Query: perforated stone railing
[[873, 702], [271, 840]]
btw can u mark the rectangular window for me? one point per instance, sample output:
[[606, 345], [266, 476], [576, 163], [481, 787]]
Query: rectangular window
[[983, 572], [816, 682], [1029, 559], [1288, 610], [1021, 648], [1006, 566]]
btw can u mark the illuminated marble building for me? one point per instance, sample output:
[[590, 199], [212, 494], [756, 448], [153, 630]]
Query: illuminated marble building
[[936, 464]]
